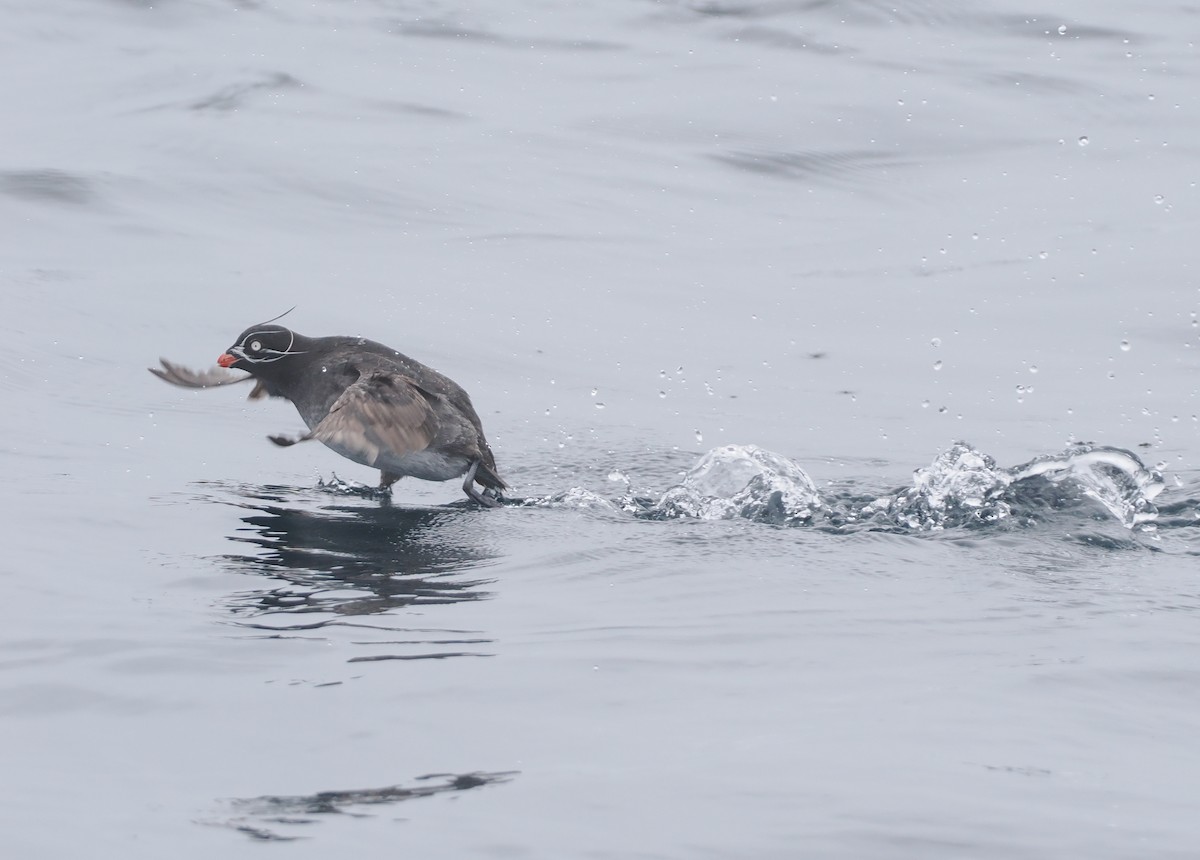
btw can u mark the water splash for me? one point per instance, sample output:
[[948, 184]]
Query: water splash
[[962, 487], [743, 481], [1114, 477], [576, 497], [336, 486]]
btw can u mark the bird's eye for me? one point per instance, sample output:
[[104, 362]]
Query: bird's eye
[[256, 346]]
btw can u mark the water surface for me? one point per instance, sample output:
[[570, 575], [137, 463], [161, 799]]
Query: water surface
[[635, 231]]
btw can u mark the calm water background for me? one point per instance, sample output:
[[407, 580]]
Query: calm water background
[[633, 230]]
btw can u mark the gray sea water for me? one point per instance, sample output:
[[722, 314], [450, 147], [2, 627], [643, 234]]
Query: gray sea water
[[850, 233]]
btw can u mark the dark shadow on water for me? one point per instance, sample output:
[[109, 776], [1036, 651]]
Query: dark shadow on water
[[256, 813], [329, 562]]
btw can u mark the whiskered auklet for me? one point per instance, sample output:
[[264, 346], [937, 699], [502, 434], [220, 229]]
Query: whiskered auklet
[[368, 402]]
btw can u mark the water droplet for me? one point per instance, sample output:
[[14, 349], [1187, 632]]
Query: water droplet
[[1062, 29], [1083, 141], [1126, 346], [936, 342], [699, 436], [599, 404], [937, 365], [924, 404], [595, 391], [662, 394], [662, 374], [1158, 199], [618, 475], [942, 410], [1112, 374], [324, 369], [1043, 255], [1033, 368]]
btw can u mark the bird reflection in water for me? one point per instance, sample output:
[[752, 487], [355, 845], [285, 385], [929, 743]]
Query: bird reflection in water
[[336, 563]]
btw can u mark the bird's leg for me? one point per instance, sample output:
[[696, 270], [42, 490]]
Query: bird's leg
[[287, 441], [386, 479], [474, 494]]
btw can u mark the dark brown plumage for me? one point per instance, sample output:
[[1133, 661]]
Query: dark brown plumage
[[366, 401]]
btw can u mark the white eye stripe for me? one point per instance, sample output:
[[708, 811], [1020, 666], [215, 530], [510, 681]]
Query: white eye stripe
[[256, 346]]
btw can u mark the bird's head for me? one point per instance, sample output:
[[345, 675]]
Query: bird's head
[[260, 346]]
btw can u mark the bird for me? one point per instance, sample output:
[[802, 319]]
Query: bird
[[368, 402]]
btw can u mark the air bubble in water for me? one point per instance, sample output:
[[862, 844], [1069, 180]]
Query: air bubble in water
[[936, 342], [662, 394], [1158, 198], [1083, 141], [1062, 29], [1126, 346], [924, 404], [1033, 368], [937, 365]]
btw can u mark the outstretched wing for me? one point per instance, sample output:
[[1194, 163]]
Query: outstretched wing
[[185, 377], [382, 415]]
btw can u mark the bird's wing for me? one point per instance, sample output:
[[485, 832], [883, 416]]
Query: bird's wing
[[380, 414], [185, 377]]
